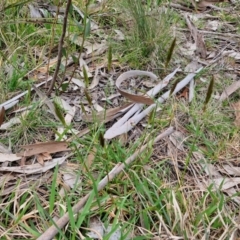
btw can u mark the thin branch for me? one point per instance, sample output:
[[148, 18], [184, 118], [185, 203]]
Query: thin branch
[[60, 47], [53, 230]]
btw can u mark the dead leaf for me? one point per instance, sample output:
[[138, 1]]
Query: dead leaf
[[80, 83], [42, 157], [209, 169], [230, 170], [2, 115], [135, 98], [9, 157], [229, 90], [222, 183], [198, 38], [232, 53], [96, 227], [177, 138], [72, 180], [95, 80], [184, 94], [35, 168], [39, 159], [49, 147]]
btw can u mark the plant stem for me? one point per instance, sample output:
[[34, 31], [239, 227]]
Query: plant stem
[[60, 47]]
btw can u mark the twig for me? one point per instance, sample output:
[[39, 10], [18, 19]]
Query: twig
[[60, 47], [53, 230]]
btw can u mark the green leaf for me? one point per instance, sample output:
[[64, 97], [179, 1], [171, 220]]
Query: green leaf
[[87, 28], [64, 52], [75, 59], [86, 210], [53, 191], [64, 86], [59, 113]]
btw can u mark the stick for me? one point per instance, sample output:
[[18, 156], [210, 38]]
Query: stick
[[53, 230], [60, 47]]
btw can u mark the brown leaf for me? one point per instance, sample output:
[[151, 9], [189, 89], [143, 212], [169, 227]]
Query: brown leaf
[[49, 147], [43, 157], [133, 97], [184, 93], [40, 159], [2, 115]]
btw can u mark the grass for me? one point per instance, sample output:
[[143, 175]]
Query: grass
[[148, 40], [161, 195]]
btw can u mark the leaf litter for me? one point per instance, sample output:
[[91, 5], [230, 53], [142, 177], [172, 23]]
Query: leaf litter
[[224, 177]]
